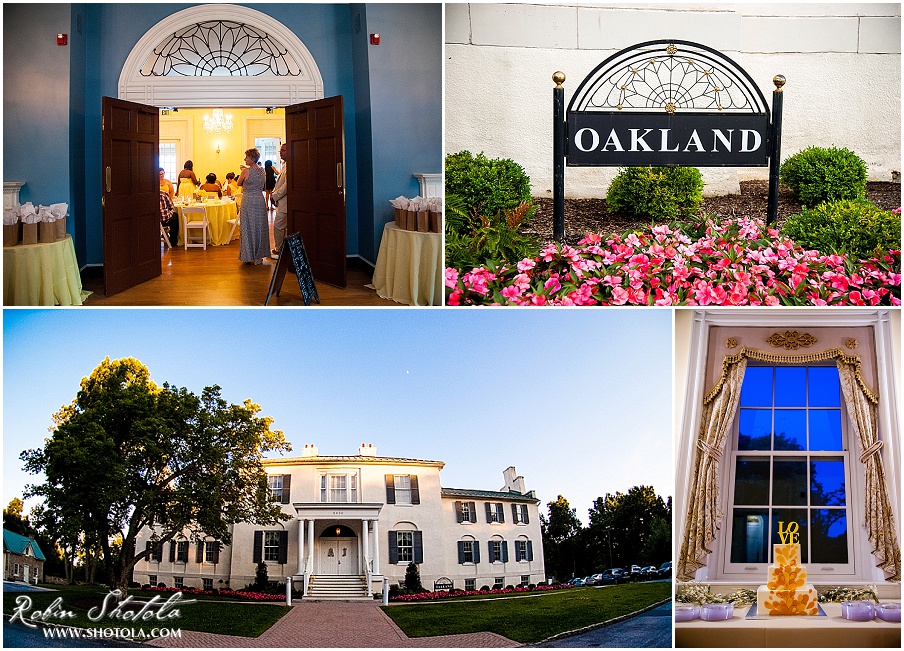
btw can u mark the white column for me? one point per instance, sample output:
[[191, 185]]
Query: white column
[[365, 532], [376, 546], [300, 569], [311, 542]]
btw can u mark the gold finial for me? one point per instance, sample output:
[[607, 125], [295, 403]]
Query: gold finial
[[779, 81], [559, 78]]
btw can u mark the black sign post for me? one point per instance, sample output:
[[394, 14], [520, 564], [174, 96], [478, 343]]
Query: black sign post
[[294, 258], [665, 103]]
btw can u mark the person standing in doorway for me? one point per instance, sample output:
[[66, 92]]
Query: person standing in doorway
[[278, 196], [188, 182], [255, 234], [271, 174]]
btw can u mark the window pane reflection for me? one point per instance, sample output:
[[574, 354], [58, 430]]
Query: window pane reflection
[[829, 536], [751, 481], [756, 391], [755, 429], [749, 538], [790, 429], [789, 482], [825, 429], [824, 387], [827, 482], [788, 516], [790, 386]]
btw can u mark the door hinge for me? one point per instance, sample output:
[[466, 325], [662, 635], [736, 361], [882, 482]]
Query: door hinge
[[102, 122]]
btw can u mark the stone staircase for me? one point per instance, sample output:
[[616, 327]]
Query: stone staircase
[[338, 588]]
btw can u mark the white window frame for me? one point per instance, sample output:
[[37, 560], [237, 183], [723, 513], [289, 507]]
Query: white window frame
[[270, 546], [328, 492], [152, 580], [467, 515], [498, 582], [405, 546], [275, 490], [210, 550], [182, 551], [468, 548], [692, 334], [402, 487], [496, 514], [470, 584], [520, 513], [853, 496], [207, 584], [496, 550], [178, 581], [521, 551]]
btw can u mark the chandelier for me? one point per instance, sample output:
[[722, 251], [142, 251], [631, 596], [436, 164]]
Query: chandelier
[[219, 122]]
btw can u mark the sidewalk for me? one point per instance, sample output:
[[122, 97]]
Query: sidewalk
[[335, 624]]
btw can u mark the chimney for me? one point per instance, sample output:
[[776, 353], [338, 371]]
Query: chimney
[[309, 451], [367, 450], [514, 483]]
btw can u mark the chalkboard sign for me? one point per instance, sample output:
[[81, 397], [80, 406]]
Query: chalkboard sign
[[292, 253]]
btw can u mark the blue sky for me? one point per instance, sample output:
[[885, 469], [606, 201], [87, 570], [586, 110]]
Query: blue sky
[[579, 401]]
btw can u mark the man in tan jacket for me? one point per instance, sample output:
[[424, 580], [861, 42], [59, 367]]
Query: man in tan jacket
[[278, 196]]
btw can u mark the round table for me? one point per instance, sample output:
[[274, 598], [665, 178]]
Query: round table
[[41, 274], [218, 213], [409, 267]]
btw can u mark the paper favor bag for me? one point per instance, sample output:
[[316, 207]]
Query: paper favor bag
[[29, 233], [423, 222], [436, 222], [60, 226], [12, 234], [410, 220], [400, 218], [47, 232]]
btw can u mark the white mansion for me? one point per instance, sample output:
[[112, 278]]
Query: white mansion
[[360, 518]]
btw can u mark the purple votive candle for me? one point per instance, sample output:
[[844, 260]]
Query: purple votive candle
[[716, 612], [890, 612], [858, 611], [686, 612]]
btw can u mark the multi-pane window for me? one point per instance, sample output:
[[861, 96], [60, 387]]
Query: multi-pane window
[[790, 463], [470, 584], [276, 487], [339, 487], [182, 551], [494, 512], [402, 485], [208, 584], [271, 546], [520, 513], [525, 579], [211, 551], [179, 582], [498, 582], [467, 512], [495, 550], [467, 551], [168, 160], [523, 551], [269, 149], [152, 579], [406, 546]]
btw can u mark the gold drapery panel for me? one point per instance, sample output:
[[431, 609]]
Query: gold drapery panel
[[720, 405]]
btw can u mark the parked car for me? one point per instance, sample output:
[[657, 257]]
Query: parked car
[[577, 582], [618, 574], [607, 577], [649, 572], [596, 579], [665, 570], [633, 573]]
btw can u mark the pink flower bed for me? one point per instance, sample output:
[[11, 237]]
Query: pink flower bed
[[223, 592], [426, 596], [735, 262]]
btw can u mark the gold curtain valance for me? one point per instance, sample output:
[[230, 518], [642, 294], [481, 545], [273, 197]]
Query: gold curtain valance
[[853, 361]]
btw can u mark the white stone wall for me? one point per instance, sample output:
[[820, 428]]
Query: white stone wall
[[842, 63]]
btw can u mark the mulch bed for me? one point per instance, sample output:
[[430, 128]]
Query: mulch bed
[[584, 216]]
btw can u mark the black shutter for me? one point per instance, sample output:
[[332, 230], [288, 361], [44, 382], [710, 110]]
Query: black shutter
[[458, 512], [518, 556], [172, 551], [415, 493], [489, 512], [475, 546], [461, 552], [490, 553], [526, 516], [199, 553], [501, 512], [283, 547], [286, 484], [473, 512], [505, 551], [258, 554], [530, 550], [390, 489], [216, 554], [514, 514], [147, 548], [418, 546], [393, 548]]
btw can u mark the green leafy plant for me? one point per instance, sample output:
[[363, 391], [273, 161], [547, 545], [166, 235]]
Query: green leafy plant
[[854, 227], [820, 174], [413, 578], [661, 193], [473, 239], [486, 185]]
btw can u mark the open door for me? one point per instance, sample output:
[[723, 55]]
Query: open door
[[316, 184], [131, 194]]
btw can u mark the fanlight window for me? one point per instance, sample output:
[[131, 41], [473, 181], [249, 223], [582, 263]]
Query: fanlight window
[[220, 48]]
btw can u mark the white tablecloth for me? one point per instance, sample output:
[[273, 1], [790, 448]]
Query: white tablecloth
[[409, 267]]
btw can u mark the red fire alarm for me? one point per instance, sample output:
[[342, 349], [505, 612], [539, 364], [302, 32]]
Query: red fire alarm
[[62, 39], [374, 39]]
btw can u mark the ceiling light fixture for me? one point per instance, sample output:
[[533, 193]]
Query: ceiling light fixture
[[219, 122]]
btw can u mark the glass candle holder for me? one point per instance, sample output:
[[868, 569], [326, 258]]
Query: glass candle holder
[[858, 611], [716, 612], [890, 612], [686, 612]]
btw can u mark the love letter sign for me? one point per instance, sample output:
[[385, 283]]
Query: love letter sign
[[789, 534]]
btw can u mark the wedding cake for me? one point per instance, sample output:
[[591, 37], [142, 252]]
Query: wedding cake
[[786, 591]]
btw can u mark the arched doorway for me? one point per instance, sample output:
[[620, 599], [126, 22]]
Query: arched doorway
[[222, 55], [337, 552]]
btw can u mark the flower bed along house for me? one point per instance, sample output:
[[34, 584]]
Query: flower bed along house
[[734, 262]]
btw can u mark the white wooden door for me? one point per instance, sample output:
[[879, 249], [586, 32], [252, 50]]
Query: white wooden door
[[339, 556]]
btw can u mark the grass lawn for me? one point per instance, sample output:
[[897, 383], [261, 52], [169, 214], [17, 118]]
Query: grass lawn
[[209, 615], [527, 619]]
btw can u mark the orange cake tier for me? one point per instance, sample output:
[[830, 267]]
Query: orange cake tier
[[786, 591]]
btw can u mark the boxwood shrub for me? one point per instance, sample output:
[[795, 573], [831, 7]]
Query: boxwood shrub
[[819, 174], [854, 227], [661, 193], [486, 185]]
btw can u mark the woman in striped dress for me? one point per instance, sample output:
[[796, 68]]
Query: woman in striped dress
[[255, 234]]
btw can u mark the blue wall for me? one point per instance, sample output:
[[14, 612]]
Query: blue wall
[[52, 126]]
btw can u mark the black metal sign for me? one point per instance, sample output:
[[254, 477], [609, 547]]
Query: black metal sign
[[661, 103], [294, 258]]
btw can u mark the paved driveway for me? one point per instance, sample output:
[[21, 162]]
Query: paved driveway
[[336, 624], [651, 629]]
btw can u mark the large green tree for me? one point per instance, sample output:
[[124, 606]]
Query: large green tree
[[561, 533], [636, 524], [128, 454]]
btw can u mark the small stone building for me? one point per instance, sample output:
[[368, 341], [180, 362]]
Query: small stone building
[[23, 559]]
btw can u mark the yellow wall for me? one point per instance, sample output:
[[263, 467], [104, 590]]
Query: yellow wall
[[186, 127]]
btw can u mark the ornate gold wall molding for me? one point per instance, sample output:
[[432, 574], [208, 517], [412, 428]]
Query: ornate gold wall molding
[[791, 340]]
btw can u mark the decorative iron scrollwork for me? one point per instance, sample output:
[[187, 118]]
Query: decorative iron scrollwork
[[220, 48], [791, 340], [670, 76]]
